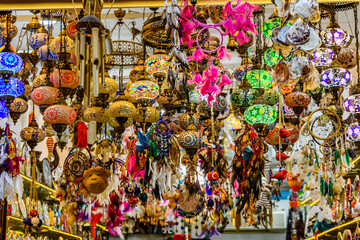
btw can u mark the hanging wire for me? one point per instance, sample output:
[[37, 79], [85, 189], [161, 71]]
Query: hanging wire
[[357, 42]]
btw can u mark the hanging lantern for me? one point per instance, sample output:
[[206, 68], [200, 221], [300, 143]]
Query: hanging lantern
[[149, 115], [44, 97], [334, 36], [272, 137], [352, 105], [11, 89], [190, 139], [71, 29], [39, 80], [32, 134], [260, 116], [233, 122], [353, 132], [270, 25], [297, 101], [157, 63], [271, 57], [259, 79], [143, 91], [137, 71], [293, 182], [45, 53], [95, 113], [335, 77], [107, 89], [59, 116], [64, 79], [322, 58], [4, 112], [122, 110], [17, 107], [347, 58], [10, 63], [271, 96], [38, 39], [62, 44]]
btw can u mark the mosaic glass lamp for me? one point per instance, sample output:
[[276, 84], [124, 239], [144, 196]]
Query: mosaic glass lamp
[[59, 116], [259, 79], [271, 57], [44, 97], [32, 134], [157, 63], [17, 107], [352, 103], [4, 112], [260, 116], [271, 24], [353, 132], [10, 63], [322, 58], [38, 39], [11, 89], [298, 101], [143, 91]]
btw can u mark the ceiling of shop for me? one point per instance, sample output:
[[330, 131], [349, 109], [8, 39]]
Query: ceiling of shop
[[66, 4]]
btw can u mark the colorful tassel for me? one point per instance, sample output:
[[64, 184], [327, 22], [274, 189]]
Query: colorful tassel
[[225, 80], [222, 52], [196, 79], [81, 135], [198, 55]]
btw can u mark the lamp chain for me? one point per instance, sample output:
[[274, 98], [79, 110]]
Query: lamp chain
[[357, 43]]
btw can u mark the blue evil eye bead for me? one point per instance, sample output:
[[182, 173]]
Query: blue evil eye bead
[[210, 203], [3, 110], [10, 62], [129, 189], [14, 87], [38, 40]]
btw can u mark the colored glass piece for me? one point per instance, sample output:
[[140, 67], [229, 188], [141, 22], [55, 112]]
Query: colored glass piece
[[271, 57], [335, 77], [352, 103], [14, 87], [260, 113], [259, 79], [10, 62]]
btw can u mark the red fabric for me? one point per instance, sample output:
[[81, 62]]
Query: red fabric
[[81, 135], [179, 236]]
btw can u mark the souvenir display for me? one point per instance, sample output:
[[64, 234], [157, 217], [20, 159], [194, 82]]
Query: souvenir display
[[191, 121]]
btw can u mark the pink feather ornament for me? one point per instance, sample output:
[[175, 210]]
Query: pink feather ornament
[[241, 38], [198, 55], [222, 52], [211, 100], [196, 79], [204, 88], [229, 26], [249, 26], [227, 11], [214, 74], [215, 90], [187, 11], [225, 80]]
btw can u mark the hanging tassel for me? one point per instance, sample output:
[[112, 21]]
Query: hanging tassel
[[198, 55], [222, 52], [196, 79], [337, 156], [225, 80], [347, 158], [81, 135]]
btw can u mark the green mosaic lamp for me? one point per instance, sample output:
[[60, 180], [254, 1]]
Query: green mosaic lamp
[[259, 79], [260, 116]]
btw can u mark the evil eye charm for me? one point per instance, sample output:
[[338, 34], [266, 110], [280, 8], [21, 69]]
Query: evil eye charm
[[129, 190]]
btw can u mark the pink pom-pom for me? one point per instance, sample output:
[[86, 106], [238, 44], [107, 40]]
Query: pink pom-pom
[[222, 52], [188, 28], [197, 79], [197, 56], [225, 80]]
